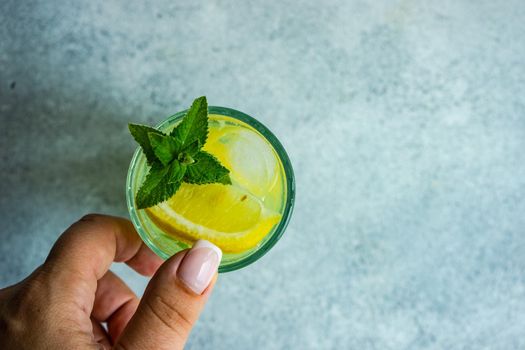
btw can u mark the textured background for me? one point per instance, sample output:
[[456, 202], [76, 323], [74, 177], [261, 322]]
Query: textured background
[[404, 120]]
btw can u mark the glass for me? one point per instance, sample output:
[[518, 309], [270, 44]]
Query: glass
[[166, 245]]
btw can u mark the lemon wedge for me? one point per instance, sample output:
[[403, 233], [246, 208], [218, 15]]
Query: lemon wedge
[[228, 216]]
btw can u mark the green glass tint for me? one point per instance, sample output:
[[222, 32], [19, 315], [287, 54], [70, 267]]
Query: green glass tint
[[165, 245]]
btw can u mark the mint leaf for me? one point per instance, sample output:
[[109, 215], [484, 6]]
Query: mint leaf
[[194, 126], [161, 183], [206, 169], [164, 147], [177, 173], [177, 157], [193, 148], [140, 134], [185, 159]]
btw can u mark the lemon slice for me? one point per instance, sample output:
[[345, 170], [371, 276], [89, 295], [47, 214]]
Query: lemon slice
[[228, 216]]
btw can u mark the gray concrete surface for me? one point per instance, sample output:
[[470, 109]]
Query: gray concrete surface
[[405, 122]]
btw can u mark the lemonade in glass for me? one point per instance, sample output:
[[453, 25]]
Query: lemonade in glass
[[244, 218]]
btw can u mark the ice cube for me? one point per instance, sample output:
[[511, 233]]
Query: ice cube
[[252, 160]]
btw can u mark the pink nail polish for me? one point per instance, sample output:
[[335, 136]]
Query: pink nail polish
[[199, 265]]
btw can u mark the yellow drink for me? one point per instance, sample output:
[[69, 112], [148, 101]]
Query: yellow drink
[[234, 217], [244, 219]]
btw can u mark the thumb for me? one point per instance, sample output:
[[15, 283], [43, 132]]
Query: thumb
[[173, 300]]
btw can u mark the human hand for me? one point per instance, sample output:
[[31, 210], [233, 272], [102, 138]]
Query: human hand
[[64, 302]]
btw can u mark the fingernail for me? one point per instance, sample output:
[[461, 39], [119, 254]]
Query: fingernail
[[199, 266]]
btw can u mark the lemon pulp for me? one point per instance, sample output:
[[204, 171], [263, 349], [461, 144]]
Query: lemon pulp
[[234, 217]]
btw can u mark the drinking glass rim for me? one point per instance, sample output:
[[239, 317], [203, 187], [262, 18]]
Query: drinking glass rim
[[289, 175]]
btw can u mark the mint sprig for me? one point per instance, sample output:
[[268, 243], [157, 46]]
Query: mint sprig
[[177, 157]]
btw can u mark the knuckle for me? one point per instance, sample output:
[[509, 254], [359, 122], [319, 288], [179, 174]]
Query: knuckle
[[91, 217], [22, 306], [169, 315], [85, 222], [9, 317], [28, 296]]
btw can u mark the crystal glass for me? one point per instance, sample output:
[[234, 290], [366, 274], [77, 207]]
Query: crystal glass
[[166, 245]]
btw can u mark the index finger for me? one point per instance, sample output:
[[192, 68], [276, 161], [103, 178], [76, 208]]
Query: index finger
[[89, 246]]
